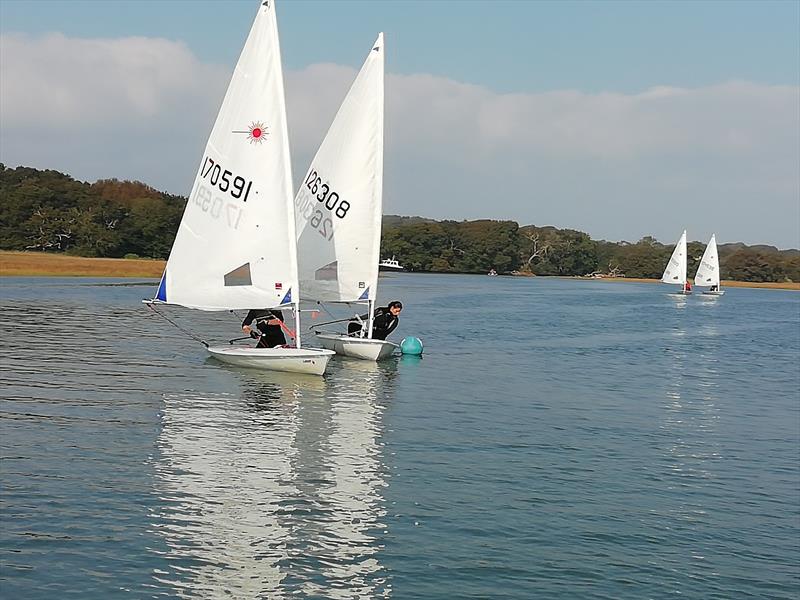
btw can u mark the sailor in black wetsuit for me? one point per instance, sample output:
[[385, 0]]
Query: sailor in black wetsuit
[[384, 322], [268, 323]]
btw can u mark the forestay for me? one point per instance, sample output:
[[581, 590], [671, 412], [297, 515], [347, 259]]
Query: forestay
[[338, 207], [708, 271], [236, 245], [676, 268]]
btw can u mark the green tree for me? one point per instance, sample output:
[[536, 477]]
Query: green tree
[[551, 251], [642, 259], [746, 265]]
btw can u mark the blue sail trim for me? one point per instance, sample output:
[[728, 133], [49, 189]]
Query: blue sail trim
[[162, 288], [365, 295], [287, 299]]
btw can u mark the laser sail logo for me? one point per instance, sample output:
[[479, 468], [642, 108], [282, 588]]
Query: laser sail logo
[[256, 132]]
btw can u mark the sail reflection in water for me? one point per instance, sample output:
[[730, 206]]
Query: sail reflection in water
[[338, 457], [687, 471], [690, 417], [277, 492]]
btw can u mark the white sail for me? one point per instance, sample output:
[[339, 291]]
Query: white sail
[[676, 267], [338, 207], [708, 271], [236, 246]]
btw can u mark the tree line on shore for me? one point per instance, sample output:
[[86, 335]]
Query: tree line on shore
[[478, 246], [49, 211]]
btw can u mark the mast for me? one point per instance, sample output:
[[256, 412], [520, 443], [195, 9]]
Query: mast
[[296, 308], [684, 261], [370, 317]]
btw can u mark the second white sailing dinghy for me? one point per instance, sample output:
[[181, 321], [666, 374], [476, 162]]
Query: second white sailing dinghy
[[339, 208], [675, 273], [236, 246], [708, 271]]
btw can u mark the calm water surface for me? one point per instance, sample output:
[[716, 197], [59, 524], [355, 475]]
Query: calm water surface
[[559, 439]]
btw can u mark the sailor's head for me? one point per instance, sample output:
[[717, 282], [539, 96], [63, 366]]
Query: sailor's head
[[395, 307]]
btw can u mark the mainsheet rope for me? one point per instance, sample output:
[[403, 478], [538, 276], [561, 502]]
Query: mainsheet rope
[[356, 317], [152, 307], [178, 327], [283, 325]]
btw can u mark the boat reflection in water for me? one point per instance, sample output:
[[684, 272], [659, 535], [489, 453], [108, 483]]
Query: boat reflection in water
[[276, 491], [685, 476]]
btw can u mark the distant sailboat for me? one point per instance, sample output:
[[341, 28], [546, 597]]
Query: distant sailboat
[[675, 273], [339, 209], [708, 271], [236, 246]]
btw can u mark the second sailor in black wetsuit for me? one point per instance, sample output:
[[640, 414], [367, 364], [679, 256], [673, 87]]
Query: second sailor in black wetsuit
[[269, 324], [384, 322]]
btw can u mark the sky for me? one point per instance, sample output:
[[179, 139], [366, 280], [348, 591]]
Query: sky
[[620, 119]]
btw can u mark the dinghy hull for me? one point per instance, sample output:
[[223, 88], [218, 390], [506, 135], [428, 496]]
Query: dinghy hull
[[362, 348], [311, 361], [716, 293]]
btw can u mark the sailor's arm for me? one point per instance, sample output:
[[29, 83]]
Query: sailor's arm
[[251, 315], [392, 325]]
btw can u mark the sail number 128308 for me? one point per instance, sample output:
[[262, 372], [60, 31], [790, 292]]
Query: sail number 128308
[[323, 193]]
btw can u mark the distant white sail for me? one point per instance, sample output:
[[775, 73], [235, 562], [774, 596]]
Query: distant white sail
[[675, 272], [339, 205], [708, 271], [236, 246]]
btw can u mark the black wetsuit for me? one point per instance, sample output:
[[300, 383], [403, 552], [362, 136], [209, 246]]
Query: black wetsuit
[[383, 324], [271, 335]]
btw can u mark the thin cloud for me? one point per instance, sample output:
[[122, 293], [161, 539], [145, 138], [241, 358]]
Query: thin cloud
[[723, 156], [64, 83]]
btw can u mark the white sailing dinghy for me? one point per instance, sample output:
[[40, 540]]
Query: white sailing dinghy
[[708, 271], [236, 246], [338, 211], [675, 273]]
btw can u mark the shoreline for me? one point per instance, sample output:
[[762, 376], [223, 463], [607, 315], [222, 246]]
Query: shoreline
[[725, 283], [41, 264]]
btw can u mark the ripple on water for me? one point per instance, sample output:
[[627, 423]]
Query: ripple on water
[[577, 439]]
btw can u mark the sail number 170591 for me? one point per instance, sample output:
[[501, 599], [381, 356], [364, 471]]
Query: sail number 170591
[[238, 187]]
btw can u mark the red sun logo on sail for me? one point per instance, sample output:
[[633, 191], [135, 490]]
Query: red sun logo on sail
[[256, 132]]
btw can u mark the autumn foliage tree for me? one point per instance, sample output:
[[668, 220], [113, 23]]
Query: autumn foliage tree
[[50, 211]]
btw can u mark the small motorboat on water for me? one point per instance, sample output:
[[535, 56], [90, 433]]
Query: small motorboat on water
[[390, 264]]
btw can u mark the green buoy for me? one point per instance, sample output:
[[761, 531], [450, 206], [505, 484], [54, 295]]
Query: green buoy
[[411, 345]]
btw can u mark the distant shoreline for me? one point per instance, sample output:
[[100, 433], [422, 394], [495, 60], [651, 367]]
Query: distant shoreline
[[725, 283], [42, 264]]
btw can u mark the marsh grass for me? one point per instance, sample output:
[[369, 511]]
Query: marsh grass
[[43, 264]]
